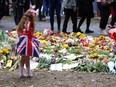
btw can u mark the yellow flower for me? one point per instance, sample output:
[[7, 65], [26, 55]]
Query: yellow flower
[[1, 51], [97, 47], [9, 63], [92, 45], [102, 38], [43, 41], [95, 54], [65, 46], [73, 34], [5, 50], [86, 44], [38, 33], [79, 33], [74, 38], [82, 36]]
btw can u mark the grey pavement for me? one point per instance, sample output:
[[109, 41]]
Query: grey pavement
[[7, 23]]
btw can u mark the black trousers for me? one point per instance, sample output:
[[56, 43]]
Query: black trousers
[[18, 14], [38, 5], [73, 14], [55, 6], [2, 8], [104, 13], [113, 4]]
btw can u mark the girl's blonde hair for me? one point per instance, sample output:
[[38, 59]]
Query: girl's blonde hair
[[27, 15], [21, 24]]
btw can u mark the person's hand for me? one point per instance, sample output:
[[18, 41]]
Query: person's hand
[[74, 9]]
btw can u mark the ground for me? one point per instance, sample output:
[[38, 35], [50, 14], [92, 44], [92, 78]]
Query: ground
[[56, 79]]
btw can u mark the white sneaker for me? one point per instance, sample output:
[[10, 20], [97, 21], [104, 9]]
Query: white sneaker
[[103, 32]]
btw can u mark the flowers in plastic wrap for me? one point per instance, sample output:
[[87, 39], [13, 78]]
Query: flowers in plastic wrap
[[47, 32]]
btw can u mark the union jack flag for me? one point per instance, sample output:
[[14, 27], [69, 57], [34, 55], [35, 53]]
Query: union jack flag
[[28, 45]]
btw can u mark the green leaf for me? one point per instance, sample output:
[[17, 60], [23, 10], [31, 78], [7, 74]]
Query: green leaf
[[3, 36]]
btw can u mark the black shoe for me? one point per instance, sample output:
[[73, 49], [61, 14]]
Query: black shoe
[[111, 27], [64, 31], [88, 31], [78, 30], [52, 29]]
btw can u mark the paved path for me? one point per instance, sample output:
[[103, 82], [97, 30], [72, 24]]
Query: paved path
[[7, 23]]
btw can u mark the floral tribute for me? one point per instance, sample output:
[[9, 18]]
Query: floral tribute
[[74, 51]]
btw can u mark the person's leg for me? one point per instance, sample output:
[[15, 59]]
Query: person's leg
[[27, 62], [66, 19], [51, 12], [88, 21], [80, 23], [113, 12], [15, 15], [44, 8], [19, 13], [40, 7], [58, 13], [74, 19], [47, 7], [22, 62], [113, 21], [104, 13]]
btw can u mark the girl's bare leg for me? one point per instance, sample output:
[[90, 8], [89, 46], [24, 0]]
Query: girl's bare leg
[[27, 62], [22, 65]]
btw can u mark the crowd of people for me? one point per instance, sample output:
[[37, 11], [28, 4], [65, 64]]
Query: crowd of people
[[84, 9]]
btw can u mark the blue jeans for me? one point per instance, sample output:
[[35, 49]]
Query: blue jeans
[[45, 7]]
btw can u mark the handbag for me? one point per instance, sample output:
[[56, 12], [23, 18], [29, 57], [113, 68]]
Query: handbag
[[14, 4]]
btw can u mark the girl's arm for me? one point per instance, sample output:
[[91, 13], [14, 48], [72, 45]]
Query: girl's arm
[[17, 36]]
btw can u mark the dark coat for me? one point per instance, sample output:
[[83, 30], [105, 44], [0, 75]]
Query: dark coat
[[38, 3], [2, 8], [86, 8]]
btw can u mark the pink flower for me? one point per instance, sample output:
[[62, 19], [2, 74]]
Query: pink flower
[[53, 60]]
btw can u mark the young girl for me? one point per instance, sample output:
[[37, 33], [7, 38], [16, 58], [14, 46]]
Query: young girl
[[27, 44]]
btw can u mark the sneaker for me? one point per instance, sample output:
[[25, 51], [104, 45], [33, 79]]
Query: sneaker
[[89, 31], [103, 32]]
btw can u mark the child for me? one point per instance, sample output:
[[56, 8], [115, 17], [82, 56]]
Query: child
[[27, 44]]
